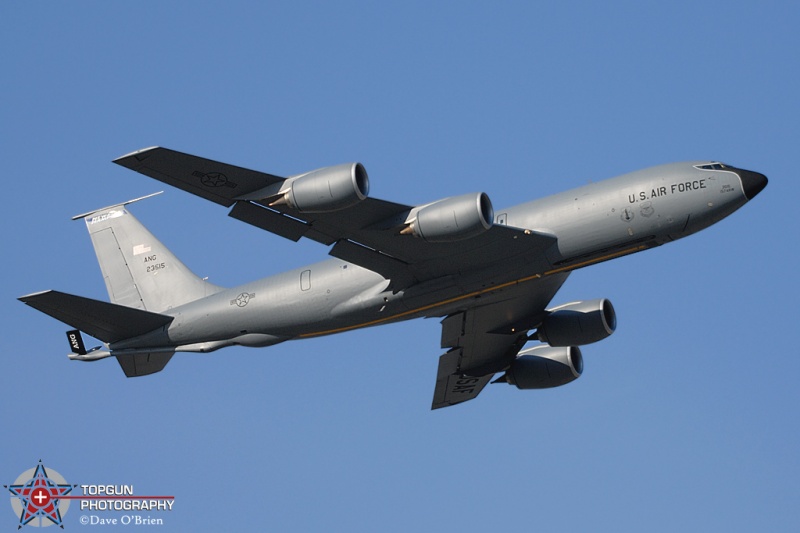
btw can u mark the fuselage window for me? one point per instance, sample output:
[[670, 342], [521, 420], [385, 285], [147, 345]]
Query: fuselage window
[[305, 280]]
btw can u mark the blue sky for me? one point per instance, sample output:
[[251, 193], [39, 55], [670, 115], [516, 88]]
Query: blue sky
[[685, 419]]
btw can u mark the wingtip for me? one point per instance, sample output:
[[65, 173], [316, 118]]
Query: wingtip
[[137, 154], [27, 297]]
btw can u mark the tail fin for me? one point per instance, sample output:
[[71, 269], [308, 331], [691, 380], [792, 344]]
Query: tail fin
[[139, 271]]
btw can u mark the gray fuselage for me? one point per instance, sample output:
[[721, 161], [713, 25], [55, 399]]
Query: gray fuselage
[[593, 223]]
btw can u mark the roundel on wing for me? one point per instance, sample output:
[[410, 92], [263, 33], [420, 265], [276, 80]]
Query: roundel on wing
[[214, 179]]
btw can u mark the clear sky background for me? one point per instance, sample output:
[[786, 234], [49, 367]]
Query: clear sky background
[[684, 420]]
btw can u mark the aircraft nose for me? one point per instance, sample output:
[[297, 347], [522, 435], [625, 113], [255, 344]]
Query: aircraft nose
[[752, 182]]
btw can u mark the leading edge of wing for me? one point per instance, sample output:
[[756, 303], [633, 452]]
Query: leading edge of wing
[[219, 182]]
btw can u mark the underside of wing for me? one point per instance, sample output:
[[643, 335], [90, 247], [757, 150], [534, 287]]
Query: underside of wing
[[331, 206], [485, 339], [453, 387]]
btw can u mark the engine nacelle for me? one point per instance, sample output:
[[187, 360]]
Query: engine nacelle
[[544, 367], [578, 323], [326, 189], [453, 219]]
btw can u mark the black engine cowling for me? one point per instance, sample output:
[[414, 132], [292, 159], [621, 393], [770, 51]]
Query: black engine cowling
[[578, 323], [326, 189], [453, 219], [544, 367]]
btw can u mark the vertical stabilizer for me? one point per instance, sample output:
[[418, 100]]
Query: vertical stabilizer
[[138, 270]]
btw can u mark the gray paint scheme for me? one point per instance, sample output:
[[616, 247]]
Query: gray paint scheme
[[491, 289]]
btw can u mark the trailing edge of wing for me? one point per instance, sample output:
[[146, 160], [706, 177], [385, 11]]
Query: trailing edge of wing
[[102, 320]]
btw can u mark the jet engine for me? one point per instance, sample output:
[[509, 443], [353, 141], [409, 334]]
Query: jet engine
[[452, 219], [326, 189], [578, 323], [544, 367]]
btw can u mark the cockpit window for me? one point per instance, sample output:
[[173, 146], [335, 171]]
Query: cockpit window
[[711, 166]]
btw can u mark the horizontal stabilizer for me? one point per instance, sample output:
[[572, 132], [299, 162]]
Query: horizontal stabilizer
[[102, 320], [121, 204], [143, 364]]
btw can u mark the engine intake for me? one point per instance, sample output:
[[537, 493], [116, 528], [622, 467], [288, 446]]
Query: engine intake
[[453, 219], [326, 189], [578, 323], [544, 367]]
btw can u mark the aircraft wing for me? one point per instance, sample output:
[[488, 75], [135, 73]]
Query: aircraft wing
[[483, 340], [365, 234], [218, 182]]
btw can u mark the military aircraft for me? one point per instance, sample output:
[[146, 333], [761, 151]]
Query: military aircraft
[[488, 275]]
